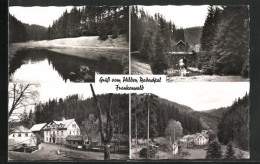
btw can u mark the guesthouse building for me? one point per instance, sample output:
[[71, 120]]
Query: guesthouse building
[[57, 131]]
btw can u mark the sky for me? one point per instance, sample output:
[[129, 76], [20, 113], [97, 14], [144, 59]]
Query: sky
[[182, 16], [202, 95], [197, 95], [43, 16]]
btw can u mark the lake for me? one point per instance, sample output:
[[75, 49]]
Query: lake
[[41, 65]]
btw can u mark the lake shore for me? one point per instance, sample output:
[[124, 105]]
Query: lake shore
[[89, 47]]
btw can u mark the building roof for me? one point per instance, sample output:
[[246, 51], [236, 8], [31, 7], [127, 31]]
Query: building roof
[[21, 129], [201, 134], [181, 42], [205, 135], [38, 127], [74, 138], [66, 123]]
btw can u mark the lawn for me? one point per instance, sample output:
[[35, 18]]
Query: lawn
[[49, 152], [198, 153]]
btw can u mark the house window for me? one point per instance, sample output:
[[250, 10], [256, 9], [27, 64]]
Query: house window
[[26, 134], [70, 132], [19, 135], [13, 135], [46, 138], [62, 133], [74, 125]]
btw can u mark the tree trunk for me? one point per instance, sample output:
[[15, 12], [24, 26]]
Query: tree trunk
[[107, 152]]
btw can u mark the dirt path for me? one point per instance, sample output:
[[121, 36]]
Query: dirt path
[[139, 68]]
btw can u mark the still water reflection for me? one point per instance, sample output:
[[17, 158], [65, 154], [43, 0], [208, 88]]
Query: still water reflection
[[39, 65]]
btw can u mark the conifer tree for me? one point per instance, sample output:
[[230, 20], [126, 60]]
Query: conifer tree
[[214, 151], [230, 153], [231, 43]]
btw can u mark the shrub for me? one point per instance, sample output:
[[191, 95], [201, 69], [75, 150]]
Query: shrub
[[115, 32]]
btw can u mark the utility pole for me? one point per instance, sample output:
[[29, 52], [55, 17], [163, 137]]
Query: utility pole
[[135, 133], [148, 126]]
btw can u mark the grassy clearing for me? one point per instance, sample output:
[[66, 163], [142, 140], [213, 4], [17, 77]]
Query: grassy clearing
[[49, 152], [196, 153]]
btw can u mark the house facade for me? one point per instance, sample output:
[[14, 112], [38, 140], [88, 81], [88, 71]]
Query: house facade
[[57, 131], [37, 130], [22, 136], [201, 139]]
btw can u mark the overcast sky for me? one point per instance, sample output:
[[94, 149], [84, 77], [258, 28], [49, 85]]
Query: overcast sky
[[199, 96], [43, 16], [182, 16], [203, 95]]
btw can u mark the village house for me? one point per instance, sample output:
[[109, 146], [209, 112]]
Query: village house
[[180, 46], [37, 129], [198, 138], [57, 131], [75, 141], [22, 136], [201, 139]]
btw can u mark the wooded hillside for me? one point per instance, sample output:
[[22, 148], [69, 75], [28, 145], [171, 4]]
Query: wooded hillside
[[85, 21], [74, 107], [234, 124]]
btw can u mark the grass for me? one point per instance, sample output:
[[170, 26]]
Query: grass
[[195, 153], [49, 152]]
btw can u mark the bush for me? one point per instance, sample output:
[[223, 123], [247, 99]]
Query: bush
[[115, 32], [103, 34], [125, 64], [245, 69], [152, 152]]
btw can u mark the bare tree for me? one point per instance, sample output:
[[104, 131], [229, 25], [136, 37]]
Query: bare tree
[[21, 96], [89, 128], [107, 132]]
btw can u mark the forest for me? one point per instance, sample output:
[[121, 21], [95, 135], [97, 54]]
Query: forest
[[160, 114], [224, 40], [234, 124], [152, 36], [80, 21], [75, 107]]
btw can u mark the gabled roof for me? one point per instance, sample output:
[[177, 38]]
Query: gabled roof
[[181, 42], [205, 135], [21, 129], [202, 134], [38, 127], [66, 123]]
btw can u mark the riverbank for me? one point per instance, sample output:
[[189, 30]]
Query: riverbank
[[89, 47]]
